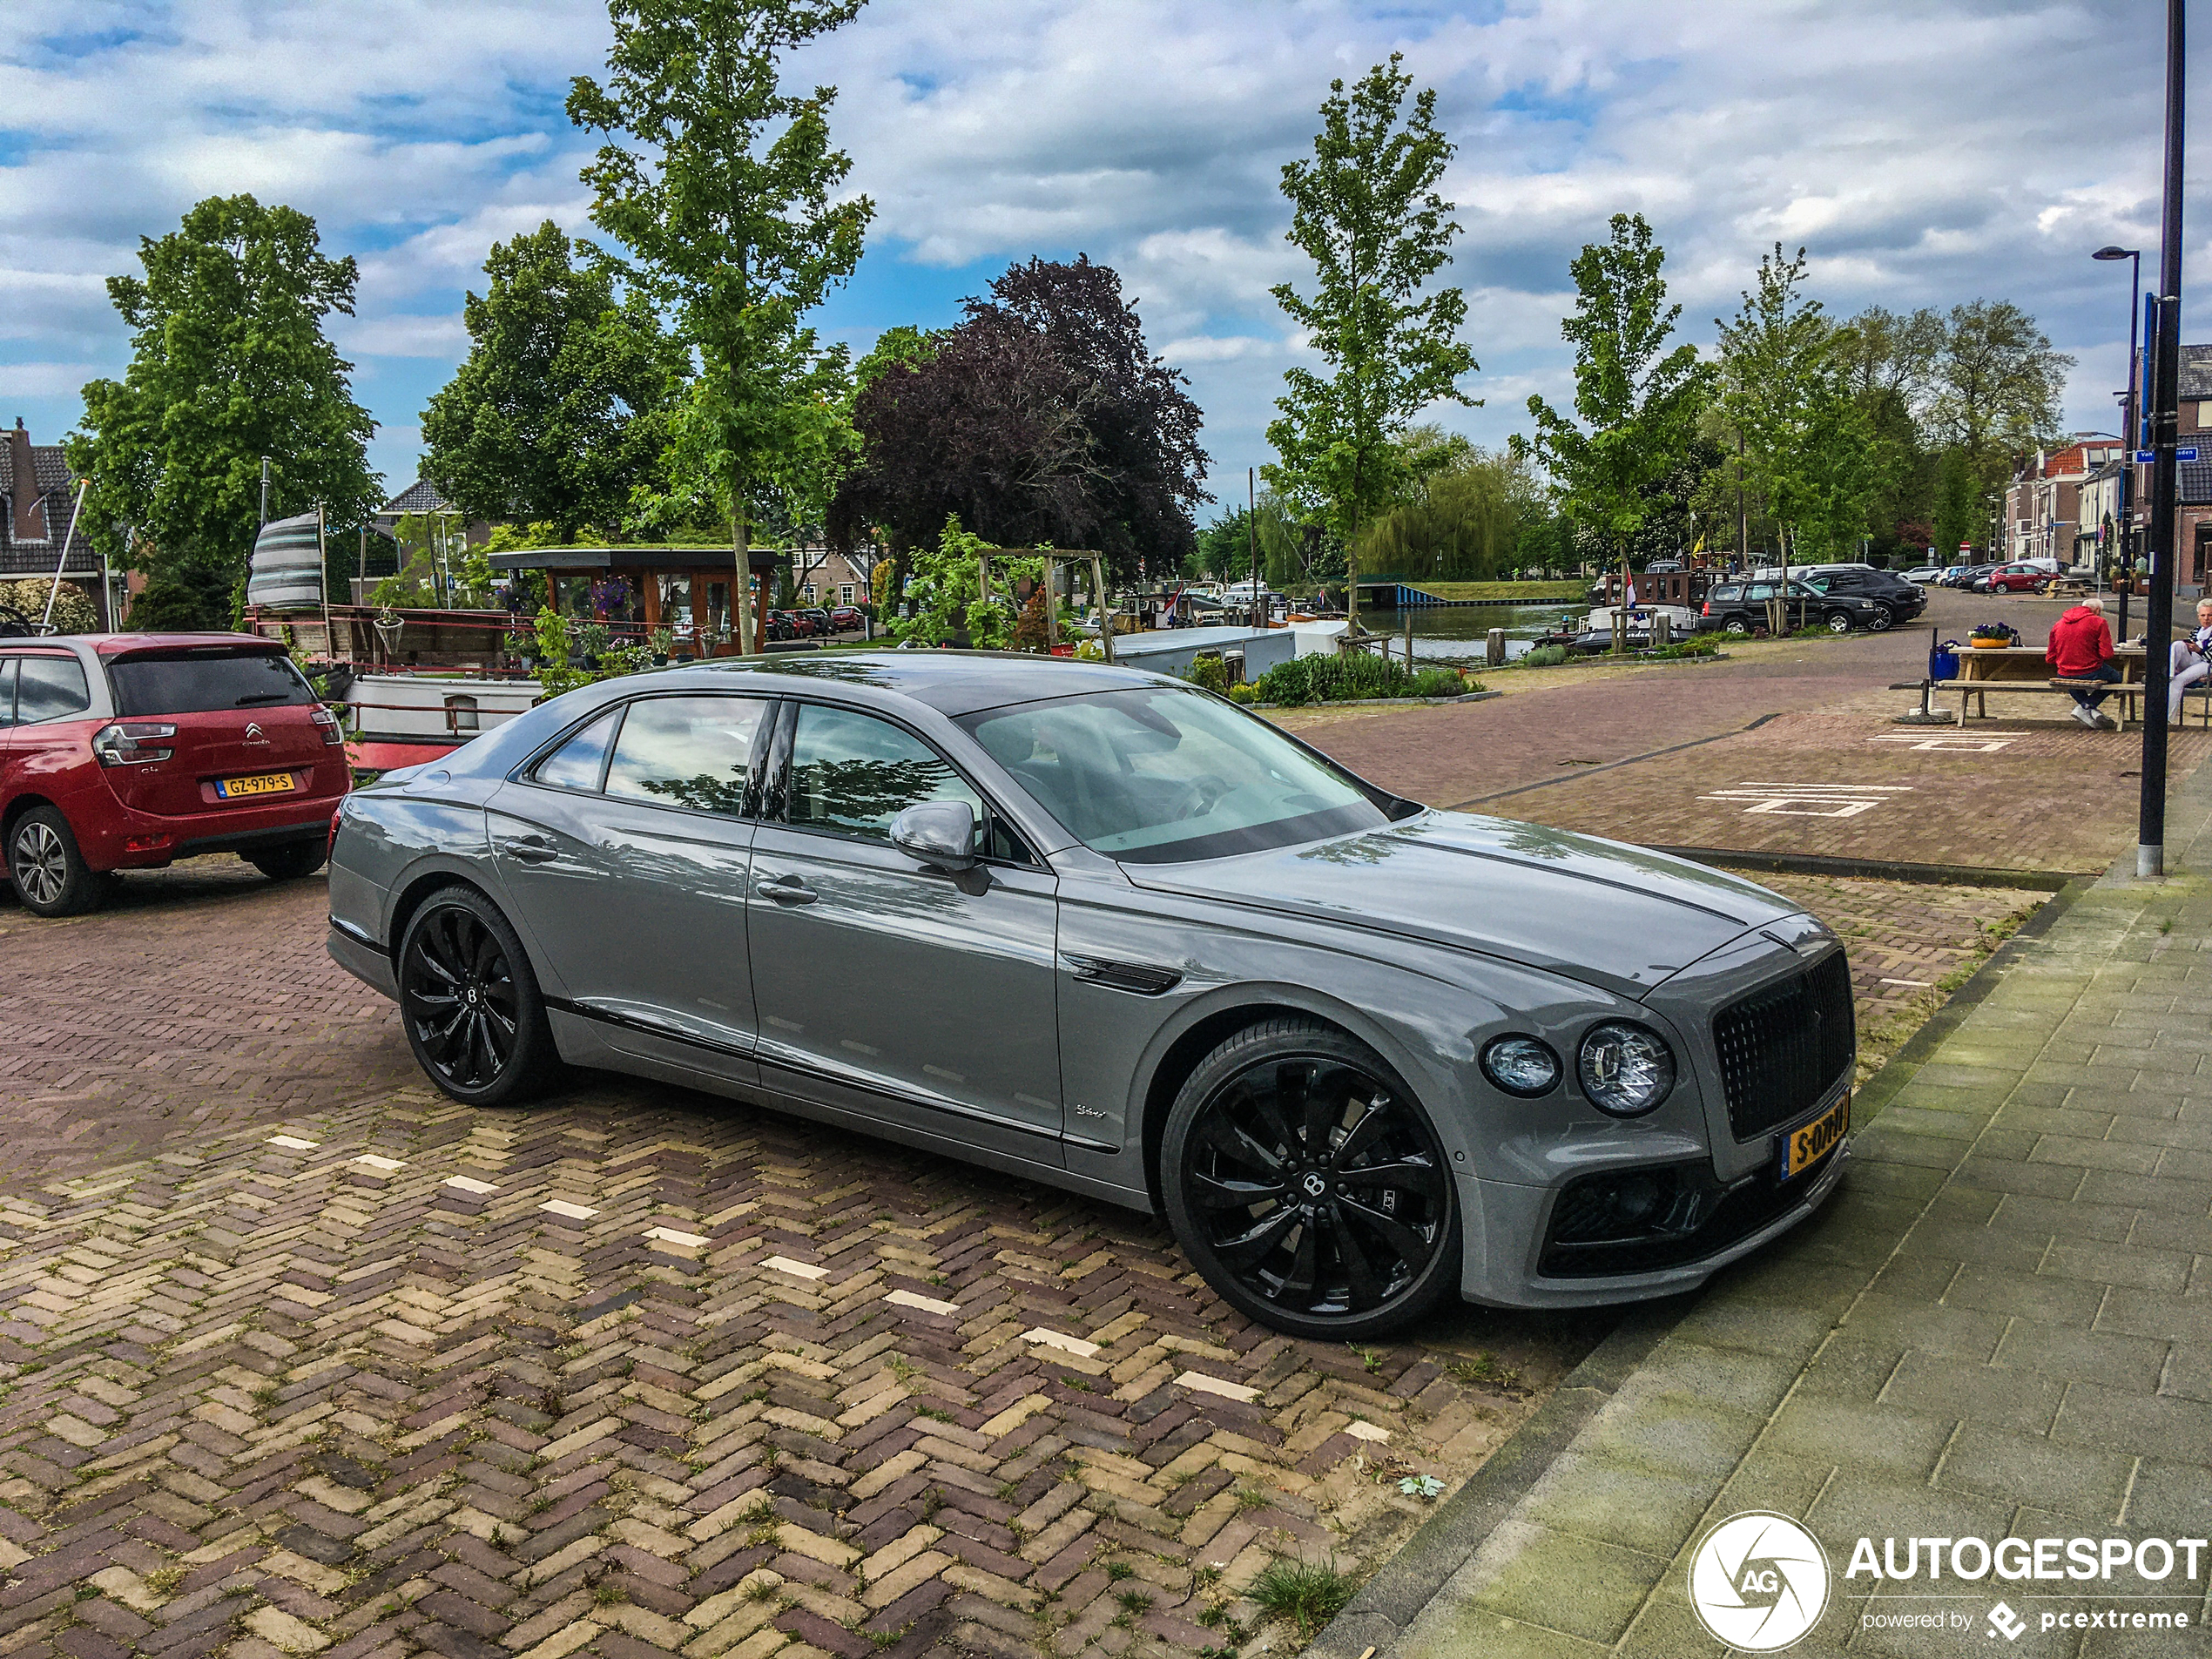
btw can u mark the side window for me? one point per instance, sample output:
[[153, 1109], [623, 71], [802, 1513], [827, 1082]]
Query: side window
[[50, 688], [689, 751], [853, 774], [7, 691], [576, 764], [1759, 591]]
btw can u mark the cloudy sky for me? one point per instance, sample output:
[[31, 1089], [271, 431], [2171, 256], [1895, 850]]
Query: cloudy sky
[[1925, 152]]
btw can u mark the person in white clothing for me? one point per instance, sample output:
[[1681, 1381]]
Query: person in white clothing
[[2191, 661]]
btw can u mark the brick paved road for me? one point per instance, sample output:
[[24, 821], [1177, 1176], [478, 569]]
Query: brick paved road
[[757, 1386]]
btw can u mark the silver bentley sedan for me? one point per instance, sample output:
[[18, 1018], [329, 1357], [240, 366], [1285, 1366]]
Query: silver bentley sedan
[[1104, 930]]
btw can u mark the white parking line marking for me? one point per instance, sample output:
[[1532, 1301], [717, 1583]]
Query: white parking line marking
[[293, 1142], [1205, 1384], [927, 1305], [1076, 1345], [783, 1263], [689, 1240], [1973, 745], [572, 1211], [1810, 800], [1367, 1432], [469, 1183], [382, 1166]]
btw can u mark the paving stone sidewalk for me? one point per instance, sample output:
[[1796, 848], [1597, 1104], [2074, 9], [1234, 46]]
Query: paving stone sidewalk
[[2000, 1326]]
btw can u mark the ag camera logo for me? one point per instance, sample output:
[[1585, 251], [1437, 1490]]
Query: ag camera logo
[[1758, 1582]]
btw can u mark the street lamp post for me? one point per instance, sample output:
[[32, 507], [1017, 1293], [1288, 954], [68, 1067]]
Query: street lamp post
[[2165, 407], [2129, 425]]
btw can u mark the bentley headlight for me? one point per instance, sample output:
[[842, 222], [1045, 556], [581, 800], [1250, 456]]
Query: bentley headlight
[[1625, 1069], [1521, 1065]]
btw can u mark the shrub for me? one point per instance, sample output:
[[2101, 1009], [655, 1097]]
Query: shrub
[[1243, 692], [1341, 679], [1207, 674], [73, 609], [1439, 682], [1544, 656]]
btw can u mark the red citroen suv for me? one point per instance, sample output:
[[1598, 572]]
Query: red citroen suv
[[126, 751]]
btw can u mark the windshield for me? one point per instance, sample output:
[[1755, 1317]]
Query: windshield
[[197, 681], [1161, 776]]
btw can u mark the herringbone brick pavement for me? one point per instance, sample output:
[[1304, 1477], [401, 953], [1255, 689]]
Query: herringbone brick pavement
[[296, 1356]]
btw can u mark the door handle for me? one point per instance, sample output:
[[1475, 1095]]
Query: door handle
[[789, 891], [531, 849]]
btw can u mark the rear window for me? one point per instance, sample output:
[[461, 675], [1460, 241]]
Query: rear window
[[199, 682], [1727, 590]]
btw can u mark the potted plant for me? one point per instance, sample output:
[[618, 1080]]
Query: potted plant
[[663, 638]]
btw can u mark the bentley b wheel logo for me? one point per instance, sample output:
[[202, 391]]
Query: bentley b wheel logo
[[1314, 1184], [1759, 1581]]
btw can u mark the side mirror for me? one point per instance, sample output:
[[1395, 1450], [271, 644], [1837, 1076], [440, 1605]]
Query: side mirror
[[941, 834]]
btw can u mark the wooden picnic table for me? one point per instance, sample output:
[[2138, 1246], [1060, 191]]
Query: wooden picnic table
[[1986, 668]]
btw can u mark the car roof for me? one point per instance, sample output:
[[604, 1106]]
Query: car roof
[[952, 682], [137, 645]]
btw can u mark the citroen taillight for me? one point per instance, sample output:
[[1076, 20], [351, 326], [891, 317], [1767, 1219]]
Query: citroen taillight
[[134, 742]]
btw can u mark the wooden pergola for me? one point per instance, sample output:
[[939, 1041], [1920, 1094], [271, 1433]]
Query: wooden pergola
[[695, 572]]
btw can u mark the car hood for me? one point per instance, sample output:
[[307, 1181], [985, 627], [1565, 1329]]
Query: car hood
[[1597, 911]]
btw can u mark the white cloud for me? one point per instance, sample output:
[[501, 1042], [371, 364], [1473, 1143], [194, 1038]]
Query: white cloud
[[1926, 152]]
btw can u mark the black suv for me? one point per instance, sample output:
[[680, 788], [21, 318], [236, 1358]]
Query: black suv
[[1740, 608], [1902, 600]]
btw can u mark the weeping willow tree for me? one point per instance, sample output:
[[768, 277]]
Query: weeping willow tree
[[1460, 517]]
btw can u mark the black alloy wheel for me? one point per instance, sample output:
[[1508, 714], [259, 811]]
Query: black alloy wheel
[[289, 860], [471, 1003], [1879, 619], [1307, 1184]]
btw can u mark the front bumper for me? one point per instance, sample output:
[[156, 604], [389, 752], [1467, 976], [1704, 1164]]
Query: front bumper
[[1506, 1225]]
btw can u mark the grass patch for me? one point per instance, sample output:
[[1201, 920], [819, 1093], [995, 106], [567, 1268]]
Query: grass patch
[[1306, 1597]]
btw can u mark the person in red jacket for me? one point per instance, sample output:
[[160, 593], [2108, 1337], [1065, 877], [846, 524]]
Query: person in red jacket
[[2081, 649]]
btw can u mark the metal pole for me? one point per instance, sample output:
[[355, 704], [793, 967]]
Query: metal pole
[[2150, 837], [1252, 526], [265, 489], [54, 592]]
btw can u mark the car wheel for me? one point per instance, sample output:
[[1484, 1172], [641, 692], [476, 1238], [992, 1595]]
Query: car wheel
[[1880, 621], [289, 860], [1306, 1184], [49, 874], [1737, 626], [469, 1002], [1839, 622]]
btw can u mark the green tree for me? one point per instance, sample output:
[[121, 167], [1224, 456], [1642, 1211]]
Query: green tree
[[1365, 209], [1459, 519], [946, 593], [556, 414], [1959, 517], [228, 364], [723, 197], [1638, 408], [1996, 381]]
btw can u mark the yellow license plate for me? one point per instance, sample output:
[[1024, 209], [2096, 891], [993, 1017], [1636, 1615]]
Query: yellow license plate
[[1803, 1148], [266, 782]]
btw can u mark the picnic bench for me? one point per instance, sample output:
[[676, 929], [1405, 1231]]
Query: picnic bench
[[2011, 671]]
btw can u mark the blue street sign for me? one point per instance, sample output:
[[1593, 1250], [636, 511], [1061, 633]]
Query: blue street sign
[[2189, 454], [2146, 456]]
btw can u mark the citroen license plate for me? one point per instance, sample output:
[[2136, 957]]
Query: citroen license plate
[[1803, 1148], [265, 783]]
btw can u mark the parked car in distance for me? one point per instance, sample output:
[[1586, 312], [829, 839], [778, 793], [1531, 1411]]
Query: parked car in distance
[[124, 751], [2022, 575], [1902, 599], [779, 625], [846, 619], [816, 616], [1962, 577], [1923, 575], [1740, 608], [1111, 923]]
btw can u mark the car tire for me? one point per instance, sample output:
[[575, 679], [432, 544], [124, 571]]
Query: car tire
[[1881, 621], [1357, 1228], [470, 1004], [1839, 622], [1737, 627], [289, 860], [50, 876]]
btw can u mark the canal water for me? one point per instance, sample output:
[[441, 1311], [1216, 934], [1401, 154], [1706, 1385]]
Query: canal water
[[1455, 633]]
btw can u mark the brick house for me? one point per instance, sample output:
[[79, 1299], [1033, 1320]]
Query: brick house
[[40, 497], [824, 577], [2097, 509], [2043, 512]]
